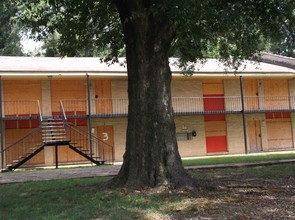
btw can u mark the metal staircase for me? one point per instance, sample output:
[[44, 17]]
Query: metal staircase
[[55, 131]]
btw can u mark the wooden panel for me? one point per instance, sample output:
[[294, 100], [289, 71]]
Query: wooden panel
[[68, 90], [216, 144], [254, 135], [251, 93], [251, 87], [106, 134], [65, 154], [279, 134], [213, 87], [215, 128], [276, 88], [24, 91], [103, 92], [13, 135]]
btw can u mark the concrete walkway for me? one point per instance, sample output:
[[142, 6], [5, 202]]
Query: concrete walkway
[[63, 173], [109, 170]]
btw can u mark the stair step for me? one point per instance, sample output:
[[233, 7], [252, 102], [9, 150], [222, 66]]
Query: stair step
[[54, 135], [58, 140], [55, 139], [52, 126]]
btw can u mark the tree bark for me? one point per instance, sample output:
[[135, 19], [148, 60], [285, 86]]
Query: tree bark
[[151, 158]]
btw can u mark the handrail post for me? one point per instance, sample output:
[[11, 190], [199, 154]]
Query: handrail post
[[244, 116], [40, 112]]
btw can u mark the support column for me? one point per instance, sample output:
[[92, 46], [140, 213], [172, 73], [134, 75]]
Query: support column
[[89, 114], [244, 116], [56, 156], [46, 111], [1, 127]]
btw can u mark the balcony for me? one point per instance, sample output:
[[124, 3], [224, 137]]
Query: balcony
[[182, 106], [192, 105]]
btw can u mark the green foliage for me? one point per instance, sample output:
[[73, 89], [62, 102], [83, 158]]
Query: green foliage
[[9, 31], [228, 30], [285, 44], [82, 26]]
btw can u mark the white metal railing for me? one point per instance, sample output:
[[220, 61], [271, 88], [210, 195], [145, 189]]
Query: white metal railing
[[182, 105], [21, 108]]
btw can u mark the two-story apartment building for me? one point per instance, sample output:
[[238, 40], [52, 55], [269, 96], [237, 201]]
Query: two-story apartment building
[[72, 110]]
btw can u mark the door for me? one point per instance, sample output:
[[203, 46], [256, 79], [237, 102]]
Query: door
[[215, 124], [103, 96], [254, 134], [105, 134], [251, 93]]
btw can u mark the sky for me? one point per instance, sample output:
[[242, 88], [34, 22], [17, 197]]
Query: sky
[[29, 45]]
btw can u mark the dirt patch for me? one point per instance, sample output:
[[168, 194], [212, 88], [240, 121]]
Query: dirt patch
[[242, 197]]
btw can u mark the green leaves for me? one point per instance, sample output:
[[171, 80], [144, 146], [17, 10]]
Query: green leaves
[[221, 29], [9, 38]]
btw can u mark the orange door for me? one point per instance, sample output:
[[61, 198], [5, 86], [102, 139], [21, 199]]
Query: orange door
[[106, 135]]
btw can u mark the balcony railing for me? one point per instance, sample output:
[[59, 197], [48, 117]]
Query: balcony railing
[[21, 109], [182, 106]]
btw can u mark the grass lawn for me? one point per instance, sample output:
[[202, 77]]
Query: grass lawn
[[249, 158], [227, 194]]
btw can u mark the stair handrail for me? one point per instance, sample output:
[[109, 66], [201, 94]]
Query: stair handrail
[[40, 112], [86, 134], [63, 113], [35, 130]]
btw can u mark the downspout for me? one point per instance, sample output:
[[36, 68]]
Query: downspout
[[1, 126], [244, 115], [89, 114]]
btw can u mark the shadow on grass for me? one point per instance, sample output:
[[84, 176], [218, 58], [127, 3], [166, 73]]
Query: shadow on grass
[[223, 193]]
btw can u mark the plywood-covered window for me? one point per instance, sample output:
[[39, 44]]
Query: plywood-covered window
[[21, 97], [71, 92], [276, 93], [279, 134]]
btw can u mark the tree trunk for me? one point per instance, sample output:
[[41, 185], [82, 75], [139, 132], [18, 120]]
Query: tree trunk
[[151, 158]]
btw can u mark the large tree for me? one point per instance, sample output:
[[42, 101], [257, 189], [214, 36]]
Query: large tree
[[151, 31], [10, 42]]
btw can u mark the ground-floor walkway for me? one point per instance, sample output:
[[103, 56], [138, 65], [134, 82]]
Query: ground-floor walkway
[[105, 170], [62, 173]]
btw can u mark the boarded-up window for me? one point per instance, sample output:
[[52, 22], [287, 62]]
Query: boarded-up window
[[276, 94], [279, 134], [21, 97], [71, 92]]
